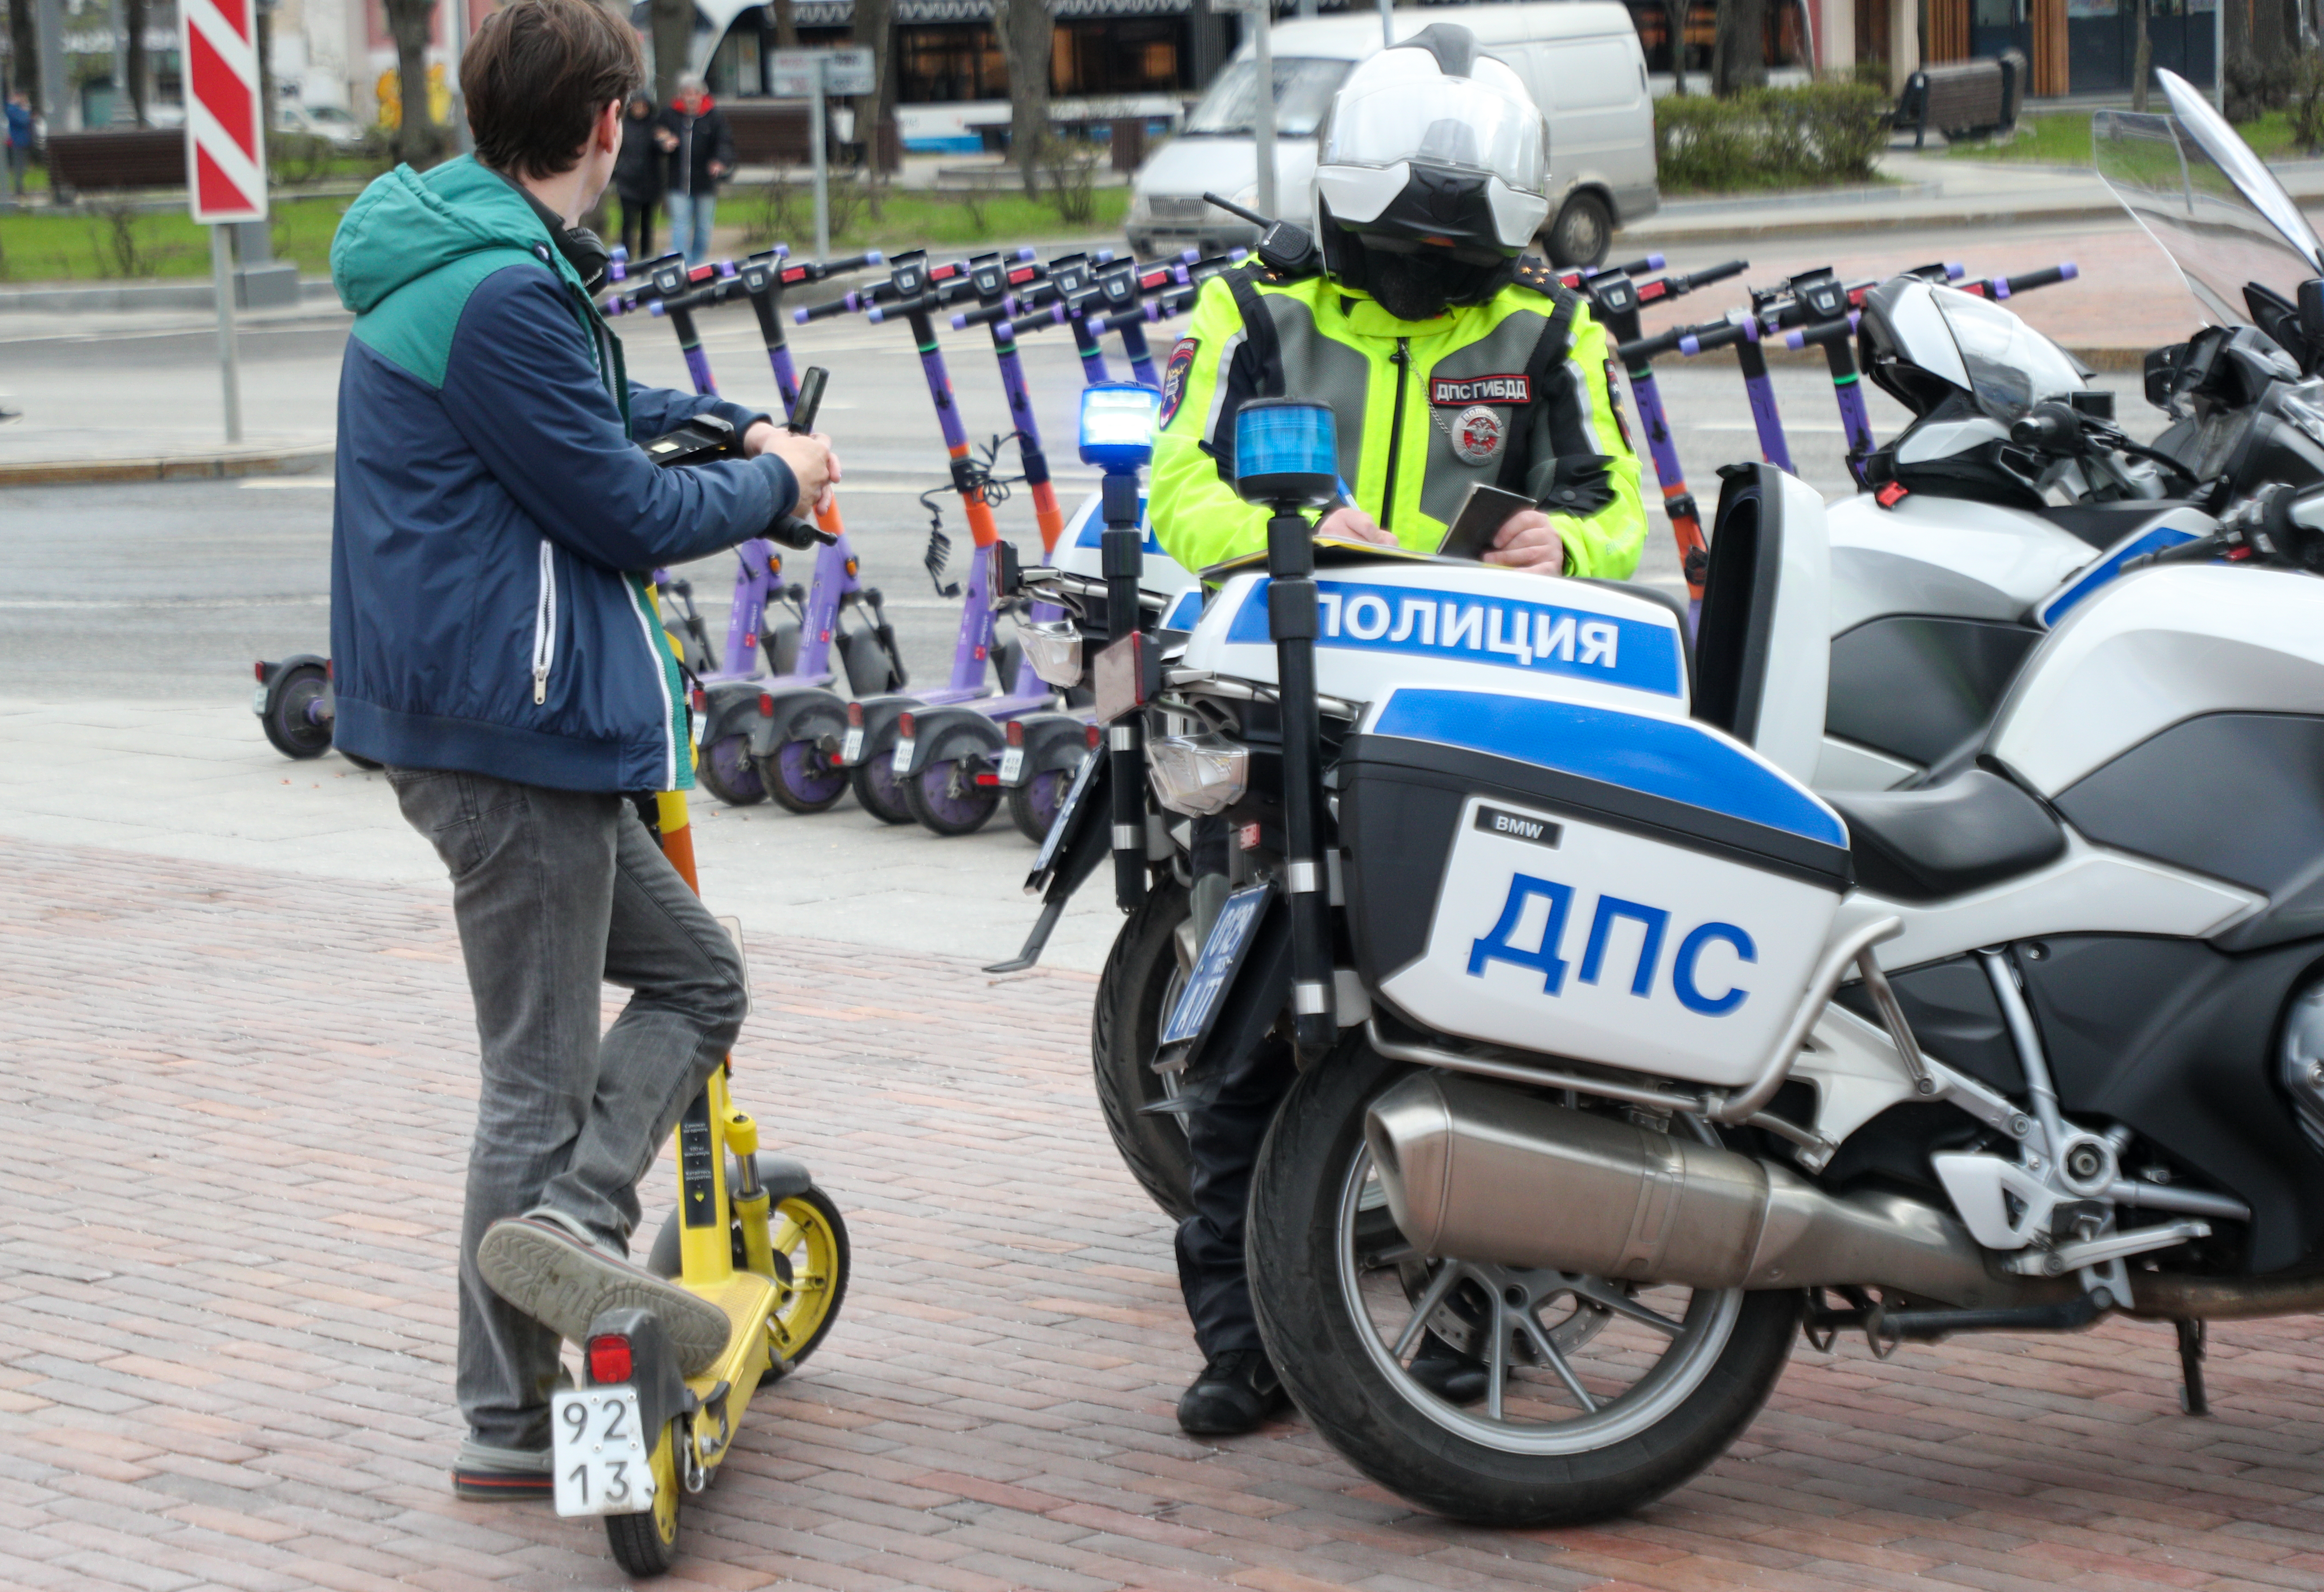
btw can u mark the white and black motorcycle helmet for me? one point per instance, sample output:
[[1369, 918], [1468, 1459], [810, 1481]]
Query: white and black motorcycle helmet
[[1433, 174]]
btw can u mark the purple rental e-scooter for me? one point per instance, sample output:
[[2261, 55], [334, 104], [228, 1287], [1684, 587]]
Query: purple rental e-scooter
[[891, 741], [760, 733]]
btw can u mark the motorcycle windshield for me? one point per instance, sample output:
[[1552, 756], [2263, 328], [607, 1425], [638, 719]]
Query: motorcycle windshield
[[2010, 366], [2210, 203]]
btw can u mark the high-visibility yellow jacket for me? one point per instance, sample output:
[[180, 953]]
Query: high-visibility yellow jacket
[[1513, 392]]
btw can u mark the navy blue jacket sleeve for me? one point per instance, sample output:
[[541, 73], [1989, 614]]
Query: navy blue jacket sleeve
[[522, 386], [656, 409]]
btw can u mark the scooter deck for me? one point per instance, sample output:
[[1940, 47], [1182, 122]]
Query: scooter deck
[[748, 1299]]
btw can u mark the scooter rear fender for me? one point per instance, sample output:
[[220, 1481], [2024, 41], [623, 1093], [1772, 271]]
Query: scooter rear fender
[[277, 669], [653, 1364], [880, 716], [732, 709], [931, 725], [1053, 742], [805, 712]]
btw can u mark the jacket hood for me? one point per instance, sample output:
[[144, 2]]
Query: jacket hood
[[408, 223]]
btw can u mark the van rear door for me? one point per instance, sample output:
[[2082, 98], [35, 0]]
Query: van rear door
[[1600, 124]]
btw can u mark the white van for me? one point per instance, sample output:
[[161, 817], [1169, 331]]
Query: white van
[[1581, 58]]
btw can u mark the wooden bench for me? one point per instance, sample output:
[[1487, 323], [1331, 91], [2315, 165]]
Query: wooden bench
[[140, 156], [1963, 98]]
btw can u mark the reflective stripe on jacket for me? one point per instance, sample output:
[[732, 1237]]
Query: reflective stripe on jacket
[[1491, 392]]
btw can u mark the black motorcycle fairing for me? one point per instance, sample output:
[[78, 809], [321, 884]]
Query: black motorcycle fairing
[[1922, 845], [2102, 525], [1954, 1016], [1953, 670], [2240, 796], [2176, 1039]]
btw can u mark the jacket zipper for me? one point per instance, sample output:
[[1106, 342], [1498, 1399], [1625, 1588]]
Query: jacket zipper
[[544, 625], [1402, 360]]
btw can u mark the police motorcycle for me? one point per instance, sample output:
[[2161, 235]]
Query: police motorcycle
[[1627, 1055], [2013, 495]]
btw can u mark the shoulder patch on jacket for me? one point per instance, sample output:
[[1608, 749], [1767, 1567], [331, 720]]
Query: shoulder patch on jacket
[[1534, 271], [1173, 378]]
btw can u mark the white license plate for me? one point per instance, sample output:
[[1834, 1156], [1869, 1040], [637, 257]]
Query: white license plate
[[603, 1464], [258, 702], [1012, 765], [850, 749], [902, 763]]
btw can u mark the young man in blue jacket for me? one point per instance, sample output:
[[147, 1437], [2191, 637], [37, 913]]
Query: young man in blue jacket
[[495, 644]]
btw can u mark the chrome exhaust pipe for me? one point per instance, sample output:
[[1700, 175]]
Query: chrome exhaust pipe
[[1485, 1173]]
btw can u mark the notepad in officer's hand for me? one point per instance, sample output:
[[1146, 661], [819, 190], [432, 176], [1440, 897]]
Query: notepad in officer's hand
[[1482, 514]]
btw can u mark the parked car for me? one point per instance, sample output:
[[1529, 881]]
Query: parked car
[[1580, 58], [321, 121]]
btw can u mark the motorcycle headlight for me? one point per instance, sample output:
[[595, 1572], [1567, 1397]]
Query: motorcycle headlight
[[1197, 774], [1054, 647]]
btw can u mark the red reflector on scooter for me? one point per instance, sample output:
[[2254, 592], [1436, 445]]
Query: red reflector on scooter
[[1094, 735], [904, 725], [258, 672], [609, 1360], [766, 706], [1014, 733], [988, 780], [855, 715]]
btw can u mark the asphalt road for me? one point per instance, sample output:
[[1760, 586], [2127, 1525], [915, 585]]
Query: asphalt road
[[173, 590]]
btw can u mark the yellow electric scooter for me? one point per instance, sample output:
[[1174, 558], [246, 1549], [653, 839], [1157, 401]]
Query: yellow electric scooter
[[753, 1234]]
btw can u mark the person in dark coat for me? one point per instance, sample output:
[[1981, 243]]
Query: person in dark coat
[[638, 177], [692, 131]]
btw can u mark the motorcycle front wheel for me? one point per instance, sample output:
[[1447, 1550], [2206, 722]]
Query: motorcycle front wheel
[[1144, 972], [1601, 1396]]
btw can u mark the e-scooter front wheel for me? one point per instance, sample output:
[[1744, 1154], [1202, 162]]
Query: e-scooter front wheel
[[294, 725], [945, 796], [730, 773], [646, 1544], [800, 779]]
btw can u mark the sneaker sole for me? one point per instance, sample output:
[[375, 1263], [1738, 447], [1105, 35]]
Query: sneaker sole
[[486, 1486], [564, 1286]]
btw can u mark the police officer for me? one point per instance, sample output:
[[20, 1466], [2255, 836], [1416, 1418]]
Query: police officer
[[1448, 360]]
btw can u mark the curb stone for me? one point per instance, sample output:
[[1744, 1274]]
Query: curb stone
[[222, 465]]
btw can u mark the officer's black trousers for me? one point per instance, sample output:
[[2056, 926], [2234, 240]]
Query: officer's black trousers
[[1224, 1137]]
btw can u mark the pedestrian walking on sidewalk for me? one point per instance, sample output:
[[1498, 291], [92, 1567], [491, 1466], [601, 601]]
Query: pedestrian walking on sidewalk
[[20, 141], [639, 177], [494, 643], [694, 133]]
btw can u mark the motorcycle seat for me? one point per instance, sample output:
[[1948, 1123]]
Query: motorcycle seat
[[1922, 845]]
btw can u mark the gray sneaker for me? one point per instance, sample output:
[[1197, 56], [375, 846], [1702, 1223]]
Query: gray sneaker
[[541, 1265]]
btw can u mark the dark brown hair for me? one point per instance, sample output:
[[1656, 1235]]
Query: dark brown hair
[[536, 77]]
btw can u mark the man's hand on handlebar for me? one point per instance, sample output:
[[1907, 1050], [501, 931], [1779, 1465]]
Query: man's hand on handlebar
[[812, 464], [1528, 542], [1352, 524]]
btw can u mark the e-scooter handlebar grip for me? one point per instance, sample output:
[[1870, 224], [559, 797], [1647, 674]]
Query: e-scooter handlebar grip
[[2050, 276], [793, 530], [1715, 335], [1822, 333], [1641, 349], [808, 312], [1674, 286], [1635, 267]]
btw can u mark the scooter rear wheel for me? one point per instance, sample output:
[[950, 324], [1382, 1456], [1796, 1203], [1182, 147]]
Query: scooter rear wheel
[[647, 1544], [730, 773], [945, 796], [800, 779], [289, 721], [877, 789], [1033, 805]]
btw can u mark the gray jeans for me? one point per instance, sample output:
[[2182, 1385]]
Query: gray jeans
[[557, 893]]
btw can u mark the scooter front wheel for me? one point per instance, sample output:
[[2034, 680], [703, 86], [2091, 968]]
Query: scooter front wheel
[[945, 796], [646, 1544], [1033, 805], [800, 779], [292, 725], [730, 773], [878, 790]]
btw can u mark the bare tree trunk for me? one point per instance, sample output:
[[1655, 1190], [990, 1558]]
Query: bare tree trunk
[[24, 50], [408, 23], [1674, 13], [673, 37], [2142, 59], [1026, 30], [132, 19], [786, 24], [1739, 56], [875, 30]]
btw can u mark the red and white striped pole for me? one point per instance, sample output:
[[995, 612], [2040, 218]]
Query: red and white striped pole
[[226, 150]]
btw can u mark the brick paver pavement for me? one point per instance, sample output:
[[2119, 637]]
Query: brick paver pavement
[[232, 1106]]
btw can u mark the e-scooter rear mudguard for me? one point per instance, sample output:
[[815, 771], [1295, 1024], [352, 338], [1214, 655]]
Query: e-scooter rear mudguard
[[932, 727], [805, 712], [1051, 743], [731, 708], [878, 721]]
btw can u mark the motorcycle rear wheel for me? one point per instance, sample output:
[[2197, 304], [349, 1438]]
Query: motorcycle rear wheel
[[1612, 1394]]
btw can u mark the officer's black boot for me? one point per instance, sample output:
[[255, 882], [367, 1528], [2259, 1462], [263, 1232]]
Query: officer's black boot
[[1234, 1393]]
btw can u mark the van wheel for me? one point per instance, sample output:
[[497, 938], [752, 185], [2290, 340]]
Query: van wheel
[[1581, 234]]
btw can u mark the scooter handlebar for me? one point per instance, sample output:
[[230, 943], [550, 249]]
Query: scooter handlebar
[[2002, 287], [808, 312], [1676, 286], [1822, 333]]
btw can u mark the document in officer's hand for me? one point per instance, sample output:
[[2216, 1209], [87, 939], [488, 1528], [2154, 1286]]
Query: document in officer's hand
[[1482, 514]]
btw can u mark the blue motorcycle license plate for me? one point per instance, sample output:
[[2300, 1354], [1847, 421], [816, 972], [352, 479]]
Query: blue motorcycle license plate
[[1060, 826], [1223, 952]]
